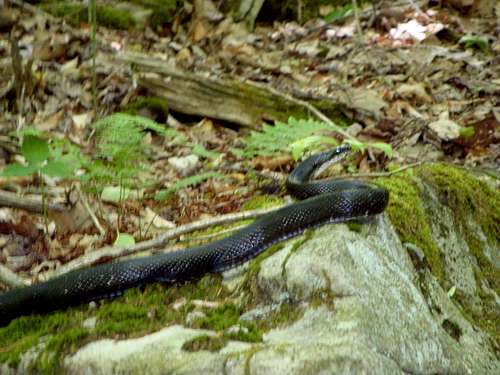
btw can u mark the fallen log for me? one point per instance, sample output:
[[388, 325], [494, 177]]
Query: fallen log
[[219, 98]]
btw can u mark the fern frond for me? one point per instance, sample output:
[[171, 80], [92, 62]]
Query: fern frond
[[186, 182], [125, 129], [278, 138]]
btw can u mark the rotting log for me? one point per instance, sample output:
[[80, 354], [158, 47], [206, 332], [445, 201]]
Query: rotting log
[[219, 98]]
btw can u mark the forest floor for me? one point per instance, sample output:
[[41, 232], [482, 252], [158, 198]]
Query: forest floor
[[408, 86]]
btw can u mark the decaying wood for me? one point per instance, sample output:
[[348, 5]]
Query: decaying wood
[[246, 103], [223, 99], [8, 199]]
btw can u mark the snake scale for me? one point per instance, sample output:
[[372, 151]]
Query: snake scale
[[324, 202]]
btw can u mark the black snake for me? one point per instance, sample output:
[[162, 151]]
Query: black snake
[[324, 202]]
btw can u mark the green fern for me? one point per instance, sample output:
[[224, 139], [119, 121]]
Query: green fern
[[121, 133], [280, 137], [186, 182], [297, 137], [120, 140]]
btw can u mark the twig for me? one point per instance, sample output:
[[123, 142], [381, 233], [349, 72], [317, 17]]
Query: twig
[[357, 21], [161, 241], [10, 278], [380, 174], [110, 252], [416, 8], [85, 203], [9, 199], [211, 235]]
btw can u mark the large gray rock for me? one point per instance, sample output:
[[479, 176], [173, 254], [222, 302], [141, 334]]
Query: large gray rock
[[367, 304], [373, 319]]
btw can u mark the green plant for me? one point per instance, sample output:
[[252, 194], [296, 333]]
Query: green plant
[[474, 41], [298, 137], [280, 137], [41, 161], [119, 139], [339, 13], [185, 182], [467, 132]]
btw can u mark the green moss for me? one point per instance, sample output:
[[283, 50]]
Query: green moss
[[408, 217], [136, 313], [220, 318], [114, 18], [205, 342], [226, 316], [262, 201], [163, 10], [285, 315], [156, 105], [75, 13], [275, 107], [249, 332], [470, 198], [67, 341], [354, 226]]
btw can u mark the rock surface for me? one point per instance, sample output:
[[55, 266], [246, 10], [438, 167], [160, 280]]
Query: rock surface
[[372, 318], [358, 302]]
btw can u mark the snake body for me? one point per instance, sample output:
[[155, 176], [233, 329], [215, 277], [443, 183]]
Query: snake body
[[326, 201]]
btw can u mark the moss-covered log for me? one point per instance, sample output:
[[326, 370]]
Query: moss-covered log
[[224, 99]]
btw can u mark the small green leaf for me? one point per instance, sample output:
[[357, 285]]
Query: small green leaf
[[474, 41], [204, 153], [34, 149], [237, 152], [356, 145], [467, 132], [185, 182], [57, 169], [385, 147], [18, 170], [451, 291], [339, 14], [299, 147], [124, 239], [278, 138], [391, 167]]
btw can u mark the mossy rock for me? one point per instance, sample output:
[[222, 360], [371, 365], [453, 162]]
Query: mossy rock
[[470, 200], [205, 342], [141, 311], [135, 313]]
